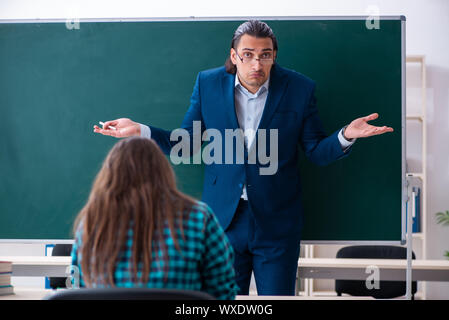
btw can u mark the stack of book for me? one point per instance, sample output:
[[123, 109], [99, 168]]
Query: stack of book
[[5, 278]]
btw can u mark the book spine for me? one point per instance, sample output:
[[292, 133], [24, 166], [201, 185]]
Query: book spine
[[417, 213]]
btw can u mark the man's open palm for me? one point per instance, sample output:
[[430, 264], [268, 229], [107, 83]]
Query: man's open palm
[[360, 128]]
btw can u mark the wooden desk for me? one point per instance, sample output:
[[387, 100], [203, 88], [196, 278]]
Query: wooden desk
[[356, 269], [38, 266], [21, 293], [349, 269]]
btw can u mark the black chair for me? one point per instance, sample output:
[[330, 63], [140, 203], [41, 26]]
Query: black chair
[[387, 289], [60, 250], [128, 294]]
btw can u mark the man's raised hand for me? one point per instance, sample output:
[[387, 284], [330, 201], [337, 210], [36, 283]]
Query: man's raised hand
[[359, 128], [124, 127]]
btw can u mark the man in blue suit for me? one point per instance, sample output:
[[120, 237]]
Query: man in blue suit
[[261, 213]]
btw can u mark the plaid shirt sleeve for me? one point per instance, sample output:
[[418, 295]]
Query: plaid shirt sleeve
[[217, 272]]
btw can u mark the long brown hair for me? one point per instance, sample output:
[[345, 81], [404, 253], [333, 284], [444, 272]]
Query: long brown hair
[[135, 189]]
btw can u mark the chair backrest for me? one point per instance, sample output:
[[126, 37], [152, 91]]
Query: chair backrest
[[60, 250], [128, 294], [387, 289]]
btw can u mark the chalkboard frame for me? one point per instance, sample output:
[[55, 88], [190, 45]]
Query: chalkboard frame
[[266, 18]]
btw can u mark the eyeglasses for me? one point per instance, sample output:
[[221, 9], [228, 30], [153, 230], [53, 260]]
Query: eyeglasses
[[248, 57]]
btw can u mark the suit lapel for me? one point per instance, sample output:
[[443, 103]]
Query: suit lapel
[[227, 84], [278, 84]]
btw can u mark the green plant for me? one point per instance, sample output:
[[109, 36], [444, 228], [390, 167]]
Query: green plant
[[443, 218]]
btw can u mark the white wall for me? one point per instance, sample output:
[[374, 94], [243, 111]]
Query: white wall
[[427, 29]]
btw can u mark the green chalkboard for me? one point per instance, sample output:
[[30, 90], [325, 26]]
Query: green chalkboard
[[57, 82]]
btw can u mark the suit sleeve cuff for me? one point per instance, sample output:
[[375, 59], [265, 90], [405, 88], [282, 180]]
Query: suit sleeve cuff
[[145, 131], [345, 144]]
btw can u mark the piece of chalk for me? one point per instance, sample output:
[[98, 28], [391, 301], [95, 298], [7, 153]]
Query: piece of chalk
[[113, 128]]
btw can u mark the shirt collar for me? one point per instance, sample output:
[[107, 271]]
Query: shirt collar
[[262, 88]]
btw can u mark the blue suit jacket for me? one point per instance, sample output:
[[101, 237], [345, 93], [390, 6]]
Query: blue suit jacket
[[291, 108]]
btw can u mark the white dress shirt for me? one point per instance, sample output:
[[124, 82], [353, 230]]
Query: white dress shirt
[[249, 109]]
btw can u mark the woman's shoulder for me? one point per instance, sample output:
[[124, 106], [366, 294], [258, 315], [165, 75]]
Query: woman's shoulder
[[201, 214], [202, 208]]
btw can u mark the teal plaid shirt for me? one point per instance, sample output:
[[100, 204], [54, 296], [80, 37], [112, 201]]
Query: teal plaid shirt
[[204, 263]]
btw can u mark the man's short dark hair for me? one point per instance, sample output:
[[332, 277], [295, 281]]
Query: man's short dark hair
[[253, 28]]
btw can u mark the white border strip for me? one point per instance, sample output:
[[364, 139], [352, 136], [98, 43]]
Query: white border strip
[[403, 128], [193, 18]]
